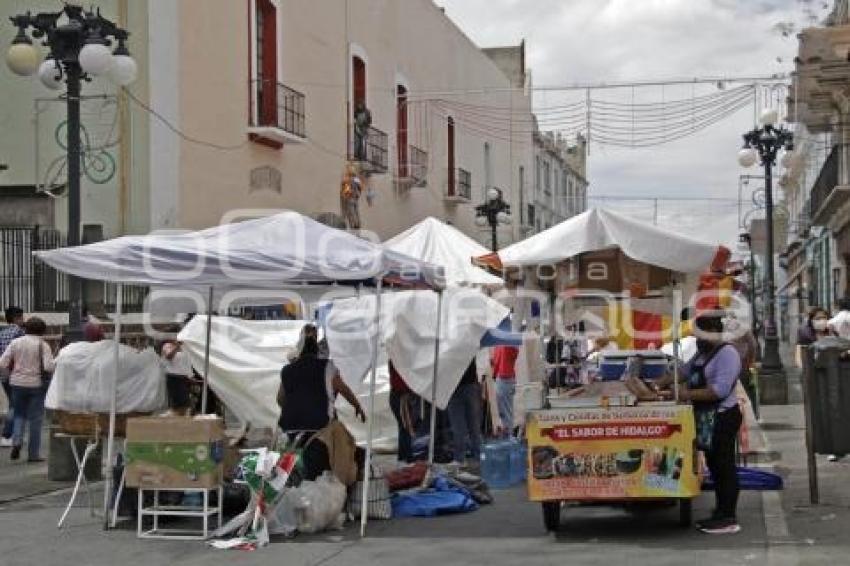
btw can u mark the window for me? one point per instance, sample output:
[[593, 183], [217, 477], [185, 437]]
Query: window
[[547, 178], [488, 167], [401, 131], [521, 185], [264, 62], [538, 173], [450, 152]]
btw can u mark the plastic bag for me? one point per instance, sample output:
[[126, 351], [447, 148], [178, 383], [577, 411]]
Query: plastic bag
[[312, 507], [85, 373]]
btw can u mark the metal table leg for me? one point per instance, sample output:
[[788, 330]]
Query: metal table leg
[[81, 478]]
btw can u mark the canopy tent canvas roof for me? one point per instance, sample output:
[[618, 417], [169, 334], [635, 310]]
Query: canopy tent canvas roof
[[434, 241], [600, 229], [272, 251]]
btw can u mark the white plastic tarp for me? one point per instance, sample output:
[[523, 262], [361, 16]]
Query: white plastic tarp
[[85, 372], [246, 357], [599, 229], [436, 242], [264, 252], [408, 331]]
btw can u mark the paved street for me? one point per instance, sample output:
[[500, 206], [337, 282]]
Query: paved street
[[778, 528]]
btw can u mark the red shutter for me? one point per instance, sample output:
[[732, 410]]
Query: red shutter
[[359, 75], [401, 132], [451, 152], [267, 73]]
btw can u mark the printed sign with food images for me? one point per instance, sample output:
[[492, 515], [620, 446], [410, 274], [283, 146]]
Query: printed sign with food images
[[612, 453]]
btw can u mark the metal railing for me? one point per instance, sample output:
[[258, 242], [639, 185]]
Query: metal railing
[[279, 106], [827, 180], [417, 165], [371, 151], [464, 184], [37, 287]]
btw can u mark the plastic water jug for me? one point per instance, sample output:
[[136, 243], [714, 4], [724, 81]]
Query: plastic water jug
[[496, 463], [519, 464]]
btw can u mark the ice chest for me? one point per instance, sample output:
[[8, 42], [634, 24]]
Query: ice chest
[[613, 364], [174, 452]]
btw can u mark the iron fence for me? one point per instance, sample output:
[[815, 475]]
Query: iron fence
[[35, 286]]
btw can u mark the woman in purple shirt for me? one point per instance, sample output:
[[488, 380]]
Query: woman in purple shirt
[[711, 377]]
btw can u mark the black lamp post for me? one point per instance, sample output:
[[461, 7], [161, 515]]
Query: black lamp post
[[78, 43], [763, 144], [493, 212]]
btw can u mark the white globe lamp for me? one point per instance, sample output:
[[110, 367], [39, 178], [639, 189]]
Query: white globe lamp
[[95, 59], [747, 157], [503, 218], [492, 193], [22, 58], [480, 221], [124, 70], [50, 74], [769, 117]]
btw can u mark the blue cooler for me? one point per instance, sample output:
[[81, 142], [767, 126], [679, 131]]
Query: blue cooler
[[612, 365]]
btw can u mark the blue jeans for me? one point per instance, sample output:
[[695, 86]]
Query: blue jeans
[[505, 390], [465, 419], [29, 408], [8, 424]]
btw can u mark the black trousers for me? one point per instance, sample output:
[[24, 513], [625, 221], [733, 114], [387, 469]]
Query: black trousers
[[721, 461]]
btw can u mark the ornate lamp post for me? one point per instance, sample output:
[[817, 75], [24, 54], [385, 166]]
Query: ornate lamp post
[[494, 211], [78, 43], [763, 144]]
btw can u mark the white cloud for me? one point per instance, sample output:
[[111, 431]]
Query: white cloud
[[596, 41]]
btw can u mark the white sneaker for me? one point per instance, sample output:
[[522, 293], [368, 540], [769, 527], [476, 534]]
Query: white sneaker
[[5, 442]]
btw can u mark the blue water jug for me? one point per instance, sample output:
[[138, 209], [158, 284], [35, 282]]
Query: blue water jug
[[496, 463], [519, 465]]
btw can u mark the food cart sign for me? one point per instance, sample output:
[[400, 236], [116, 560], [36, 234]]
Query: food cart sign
[[612, 453]]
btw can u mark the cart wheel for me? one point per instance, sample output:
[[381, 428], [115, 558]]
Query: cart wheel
[[686, 509], [552, 515]]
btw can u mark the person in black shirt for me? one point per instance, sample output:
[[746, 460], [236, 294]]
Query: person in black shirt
[[465, 416]]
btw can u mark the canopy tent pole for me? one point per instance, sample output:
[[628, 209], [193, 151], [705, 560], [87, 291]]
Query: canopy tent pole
[[677, 323], [367, 469], [207, 353], [431, 440], [113, 401]]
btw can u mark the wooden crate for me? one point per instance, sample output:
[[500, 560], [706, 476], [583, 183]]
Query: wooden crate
[[91, 424]]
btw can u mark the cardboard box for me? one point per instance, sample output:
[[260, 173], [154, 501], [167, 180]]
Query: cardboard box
[[174, 452]]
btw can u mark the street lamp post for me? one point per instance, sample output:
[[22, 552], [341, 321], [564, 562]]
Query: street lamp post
[[763, 144], [493, 212], [78, 43]]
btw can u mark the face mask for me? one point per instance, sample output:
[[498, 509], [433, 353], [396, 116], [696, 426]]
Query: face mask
[[820, 324]]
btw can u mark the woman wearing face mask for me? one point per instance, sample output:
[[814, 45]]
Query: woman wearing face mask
[[816, 327], [711, 376]]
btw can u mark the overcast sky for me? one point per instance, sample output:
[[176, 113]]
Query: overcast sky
[[597, 41]]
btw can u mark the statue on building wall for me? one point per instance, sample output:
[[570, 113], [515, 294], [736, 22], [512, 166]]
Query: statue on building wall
[[349, 197], [362, 122]]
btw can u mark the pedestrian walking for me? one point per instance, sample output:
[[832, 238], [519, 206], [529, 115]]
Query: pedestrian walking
[[465, 417], [503, 362], [30, 361], [15, 329], [817, 326]]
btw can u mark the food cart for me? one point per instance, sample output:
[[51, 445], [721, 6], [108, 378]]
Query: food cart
[[605, 445]]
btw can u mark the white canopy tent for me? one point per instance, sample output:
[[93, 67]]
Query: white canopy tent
[[436, 242], [600, 229], [273, 251]]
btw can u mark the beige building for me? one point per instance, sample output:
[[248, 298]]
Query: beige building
[[265, 94], [560, 183]]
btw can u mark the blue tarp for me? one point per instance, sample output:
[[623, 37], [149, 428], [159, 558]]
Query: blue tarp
[[442, 499], [501, 336], [750, 479]]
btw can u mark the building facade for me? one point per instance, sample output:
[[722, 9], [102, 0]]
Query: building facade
[[817, 180], [560, 182]]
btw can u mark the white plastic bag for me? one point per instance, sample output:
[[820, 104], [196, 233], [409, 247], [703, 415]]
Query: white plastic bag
[[85, 373], [312, 507]]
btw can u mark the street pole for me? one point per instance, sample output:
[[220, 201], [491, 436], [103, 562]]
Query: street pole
[[753, 310], [493, 236], [75, 287], [771, 361]]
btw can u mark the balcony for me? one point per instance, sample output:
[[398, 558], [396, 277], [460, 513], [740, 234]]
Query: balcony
[[458, 185], [278, 114], [370, 154], [827, 195], [414, 171]]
